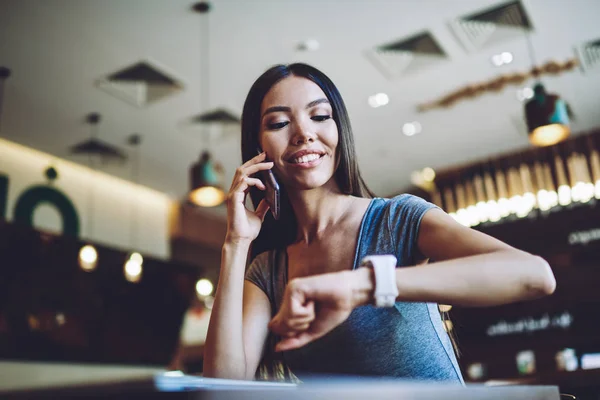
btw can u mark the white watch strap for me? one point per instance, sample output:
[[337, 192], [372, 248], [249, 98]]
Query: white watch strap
[[384, 270]]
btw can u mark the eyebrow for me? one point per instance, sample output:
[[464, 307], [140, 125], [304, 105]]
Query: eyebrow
[[288, 109]]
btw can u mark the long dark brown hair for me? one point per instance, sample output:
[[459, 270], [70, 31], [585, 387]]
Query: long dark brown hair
[[281, 233]]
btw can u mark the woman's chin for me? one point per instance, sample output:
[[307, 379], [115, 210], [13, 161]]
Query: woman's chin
[[311, 183]]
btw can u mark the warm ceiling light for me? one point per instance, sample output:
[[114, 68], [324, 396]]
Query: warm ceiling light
[[502, 58], [378, 100], [411, 128], [428, 174], [137, 257], [547, 118], [525, 93], [204, 287], [132, 270], [205, 183], [88, 258]]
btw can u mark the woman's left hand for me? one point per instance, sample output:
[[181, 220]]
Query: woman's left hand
[[315, 305]]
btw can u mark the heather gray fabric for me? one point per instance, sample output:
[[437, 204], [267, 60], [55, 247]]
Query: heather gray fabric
[[406, 341]]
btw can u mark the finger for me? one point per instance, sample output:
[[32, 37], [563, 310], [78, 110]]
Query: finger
[[295, 342], [262, 209], [302, 311], [300, 326], [294, 330], [255, 182], [254, 168], [256, 159], [243, 184], [289, 327]]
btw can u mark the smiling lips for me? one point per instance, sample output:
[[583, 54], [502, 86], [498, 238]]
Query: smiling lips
[[306, 158]]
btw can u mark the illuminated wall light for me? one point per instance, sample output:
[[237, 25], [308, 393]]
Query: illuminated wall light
[[595, 163], [428, 174], [472, 212], [137, 257], [543, 197], [564, 190], [444, 307], [378, 100], [564, 195], [88, 258], [588, 186], [549, 185], [133, 271], [503, 201], [450, 204], [411, 128], [204, 287], [515, 199], [462, 216], [490, 191], [529, 198], [481, 205]]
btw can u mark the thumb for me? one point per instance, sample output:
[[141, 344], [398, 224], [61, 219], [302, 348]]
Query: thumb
[[262, 209]]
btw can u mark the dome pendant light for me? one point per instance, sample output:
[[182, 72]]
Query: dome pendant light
[[547, 118], [546, 114], [205, 176]]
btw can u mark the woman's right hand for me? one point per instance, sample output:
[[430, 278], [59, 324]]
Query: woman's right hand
[[244, 225]]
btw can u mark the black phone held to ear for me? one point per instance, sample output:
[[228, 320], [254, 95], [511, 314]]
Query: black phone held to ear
[[272, 193]]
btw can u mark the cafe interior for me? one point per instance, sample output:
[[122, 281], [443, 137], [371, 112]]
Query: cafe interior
[[120, 135]]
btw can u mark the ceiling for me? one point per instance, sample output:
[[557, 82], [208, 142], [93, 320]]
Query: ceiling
[[57, 49]]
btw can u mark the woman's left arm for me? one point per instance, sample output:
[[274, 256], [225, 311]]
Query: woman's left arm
[[471, 268]]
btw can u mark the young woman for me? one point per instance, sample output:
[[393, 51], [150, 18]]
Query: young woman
[[305, 301]]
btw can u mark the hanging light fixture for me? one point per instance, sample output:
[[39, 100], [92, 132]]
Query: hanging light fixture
[[546, 114], [206, 174], [205, 178], [88, 255], [547, 118], [133, 266]]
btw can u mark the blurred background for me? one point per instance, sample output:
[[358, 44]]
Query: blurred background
[[120, 134]]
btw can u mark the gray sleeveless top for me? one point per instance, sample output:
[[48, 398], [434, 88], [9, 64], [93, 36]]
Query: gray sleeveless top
[[406, 341]]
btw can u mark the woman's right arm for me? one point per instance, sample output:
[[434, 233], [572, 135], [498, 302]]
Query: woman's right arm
[[238, 323], [241, 312]]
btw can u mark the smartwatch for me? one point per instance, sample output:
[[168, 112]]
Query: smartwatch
[[384, 270]]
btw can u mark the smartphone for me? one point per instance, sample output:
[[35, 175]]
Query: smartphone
[[272, 192]]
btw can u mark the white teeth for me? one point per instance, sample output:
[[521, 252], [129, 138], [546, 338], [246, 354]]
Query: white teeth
[[306, 158]]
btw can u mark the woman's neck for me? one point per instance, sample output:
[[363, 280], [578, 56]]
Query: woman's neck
[[317, 210]]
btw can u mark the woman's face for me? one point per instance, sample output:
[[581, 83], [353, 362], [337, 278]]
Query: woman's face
[[298, 133]]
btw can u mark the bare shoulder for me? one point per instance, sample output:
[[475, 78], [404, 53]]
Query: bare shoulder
[[442, 238], [360, 206]]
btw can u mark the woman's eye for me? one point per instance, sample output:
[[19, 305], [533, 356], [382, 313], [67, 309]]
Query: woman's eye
[[321, 118], [277, 125]]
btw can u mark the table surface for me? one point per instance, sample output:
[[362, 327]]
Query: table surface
[[173, 385]]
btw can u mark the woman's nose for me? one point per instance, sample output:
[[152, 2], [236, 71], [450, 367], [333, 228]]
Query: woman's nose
[[303, 134]]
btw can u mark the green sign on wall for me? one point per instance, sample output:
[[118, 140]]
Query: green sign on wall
[[34, 197]]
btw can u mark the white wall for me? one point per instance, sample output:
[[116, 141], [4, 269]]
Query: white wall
[[115, 201]]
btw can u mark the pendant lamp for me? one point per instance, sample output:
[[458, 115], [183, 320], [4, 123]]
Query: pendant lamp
[[205, 178], [206, 174], [546, 114], [547, 118]]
